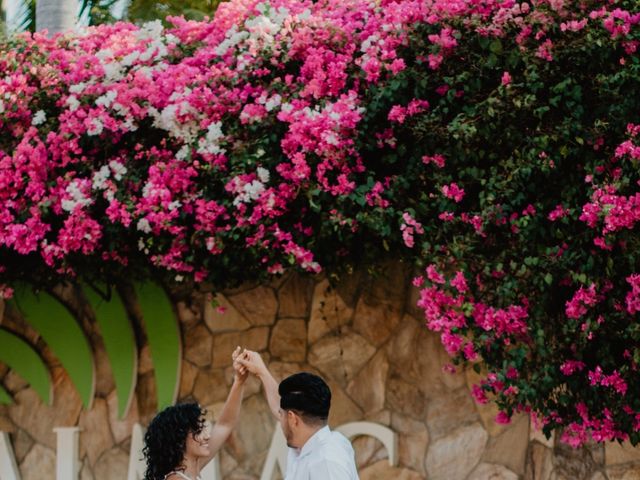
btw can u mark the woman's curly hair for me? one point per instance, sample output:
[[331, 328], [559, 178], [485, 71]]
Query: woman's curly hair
[[166, 437]]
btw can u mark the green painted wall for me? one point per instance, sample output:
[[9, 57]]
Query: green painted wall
[[20, 357], [119, 342], [164, 341], [63, 335]]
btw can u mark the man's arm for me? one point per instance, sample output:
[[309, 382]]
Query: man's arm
[[253, 362]]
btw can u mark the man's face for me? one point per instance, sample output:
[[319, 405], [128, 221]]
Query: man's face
[[288, 426]]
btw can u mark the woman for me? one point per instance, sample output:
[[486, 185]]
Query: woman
[[180, 442]]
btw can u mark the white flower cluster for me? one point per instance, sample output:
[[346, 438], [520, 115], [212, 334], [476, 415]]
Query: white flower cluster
[[270, 103], [210, 143], [168, 120], [76, 195], [252, 190], [107, 99], [144, 226], [232, 38], [259, 31], [39, 118]]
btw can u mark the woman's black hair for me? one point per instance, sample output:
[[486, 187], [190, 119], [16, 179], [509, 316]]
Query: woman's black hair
[[166, 437]]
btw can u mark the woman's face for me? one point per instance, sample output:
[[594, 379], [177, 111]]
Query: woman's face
[[197, 444]]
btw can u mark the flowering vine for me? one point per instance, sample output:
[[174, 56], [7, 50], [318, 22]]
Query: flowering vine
[[492, 143]]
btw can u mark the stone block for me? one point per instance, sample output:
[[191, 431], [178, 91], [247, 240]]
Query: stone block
[[616, 453], [381, 470], [343, 408], [510, 447], [368, 387], [341, 357], [197, 345], [417, 356], [225, 343], [121, 427], [258, 305], [95, 431], [39, 463], [37, 419], [413, 440], [294, 296], [539, 463], [210, 387], [188, 375], [455, 456], [223, 317], [22, 443], [113, 464], [329, 312], [376, 321], [403, 397], [487, 471], [289, 340], [450, 411], [623, 473]]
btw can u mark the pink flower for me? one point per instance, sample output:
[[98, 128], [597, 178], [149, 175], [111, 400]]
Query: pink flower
[[437, 160], [453, 192], [506, 79], [503, 418], [557, 213], [433, 275]]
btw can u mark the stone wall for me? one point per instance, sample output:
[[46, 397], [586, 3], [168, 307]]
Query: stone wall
[[365, 337]]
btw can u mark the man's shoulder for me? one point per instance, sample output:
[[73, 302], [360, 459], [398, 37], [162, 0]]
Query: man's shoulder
[[334, 448]]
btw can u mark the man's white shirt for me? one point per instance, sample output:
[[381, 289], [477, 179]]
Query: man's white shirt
[[327, 455]]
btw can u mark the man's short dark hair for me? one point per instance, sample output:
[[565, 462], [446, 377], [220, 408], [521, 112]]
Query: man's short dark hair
[[306, 394]]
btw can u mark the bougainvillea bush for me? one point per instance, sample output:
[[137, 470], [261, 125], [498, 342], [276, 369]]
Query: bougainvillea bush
[[493, 143]]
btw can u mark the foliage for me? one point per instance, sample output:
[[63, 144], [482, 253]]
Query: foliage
[[494, 143]]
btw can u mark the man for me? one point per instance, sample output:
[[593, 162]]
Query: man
[[301, 403]]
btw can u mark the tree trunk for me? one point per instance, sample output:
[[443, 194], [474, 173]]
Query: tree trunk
[[56, 15]]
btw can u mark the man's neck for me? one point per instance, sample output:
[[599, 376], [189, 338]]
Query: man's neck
[[309, 432]]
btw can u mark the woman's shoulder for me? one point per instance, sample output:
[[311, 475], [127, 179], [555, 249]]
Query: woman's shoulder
[[174, 476]]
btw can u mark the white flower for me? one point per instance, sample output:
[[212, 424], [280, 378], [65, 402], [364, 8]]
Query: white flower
[[1, 106], [273, 102], [76, 197], [330, 138], [103, 54], [100, 178], [143, 225], [183, 153], [214, 132], [210, 143], [151, 30], [78, 87], [263, 174], [174, 205], [73, 102], [118, 169], [254, 189], [107, 99], [39, 118], [130, 58], [113, 71], [96, 127], [304, 15]]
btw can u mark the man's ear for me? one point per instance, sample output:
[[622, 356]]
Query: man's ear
[[294, 418]]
